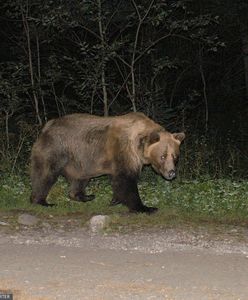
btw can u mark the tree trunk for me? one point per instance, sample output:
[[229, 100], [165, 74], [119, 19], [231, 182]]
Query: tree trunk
[[103, 65], [31, 72], [204, 90], [245, 59], [134, 60]]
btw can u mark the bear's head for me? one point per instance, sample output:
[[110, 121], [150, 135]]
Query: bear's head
[[162, 152]]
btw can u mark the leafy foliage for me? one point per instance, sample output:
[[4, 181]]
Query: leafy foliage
[[177, 61]]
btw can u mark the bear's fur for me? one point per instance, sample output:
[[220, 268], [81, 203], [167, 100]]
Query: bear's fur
[[82, 146]]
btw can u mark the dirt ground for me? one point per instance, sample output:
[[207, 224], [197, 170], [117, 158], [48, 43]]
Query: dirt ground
[[69, 262]]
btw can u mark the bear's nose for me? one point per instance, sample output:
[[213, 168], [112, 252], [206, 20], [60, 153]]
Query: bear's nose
[[172, 174]]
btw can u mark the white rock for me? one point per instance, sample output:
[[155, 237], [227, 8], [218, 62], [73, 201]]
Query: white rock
[[26, 219], [4, 223], [98, 223]]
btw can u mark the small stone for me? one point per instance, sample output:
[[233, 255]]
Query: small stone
[[4, 223], [46, 225], [26, 219], [98, 223]]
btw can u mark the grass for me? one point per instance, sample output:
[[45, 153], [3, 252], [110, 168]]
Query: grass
[[196, 201]]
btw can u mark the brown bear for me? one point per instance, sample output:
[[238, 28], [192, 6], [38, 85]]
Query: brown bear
[[82, 146]]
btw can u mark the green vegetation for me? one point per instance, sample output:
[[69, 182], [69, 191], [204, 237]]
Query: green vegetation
[[183, 63], [196, 201]]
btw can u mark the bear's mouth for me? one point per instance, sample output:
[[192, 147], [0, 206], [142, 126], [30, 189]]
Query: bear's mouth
[[168, 175]]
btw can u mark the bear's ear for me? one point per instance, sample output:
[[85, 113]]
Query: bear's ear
[[180, 136], [153, 138]]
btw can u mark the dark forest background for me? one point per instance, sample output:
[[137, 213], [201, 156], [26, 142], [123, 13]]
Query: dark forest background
[[182, 63]]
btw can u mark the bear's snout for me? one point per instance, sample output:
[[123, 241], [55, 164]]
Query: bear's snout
[[171, 174]]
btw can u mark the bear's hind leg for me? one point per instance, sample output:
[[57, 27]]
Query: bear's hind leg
[[43, 175], [125, 191], [40, 189], [77, 190]]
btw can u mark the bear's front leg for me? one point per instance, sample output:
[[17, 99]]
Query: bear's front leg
[[125, 191]]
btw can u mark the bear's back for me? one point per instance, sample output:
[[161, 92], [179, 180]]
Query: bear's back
[[76, 127]]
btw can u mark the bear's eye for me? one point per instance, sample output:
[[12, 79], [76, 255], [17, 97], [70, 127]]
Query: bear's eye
[[163, 157]]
